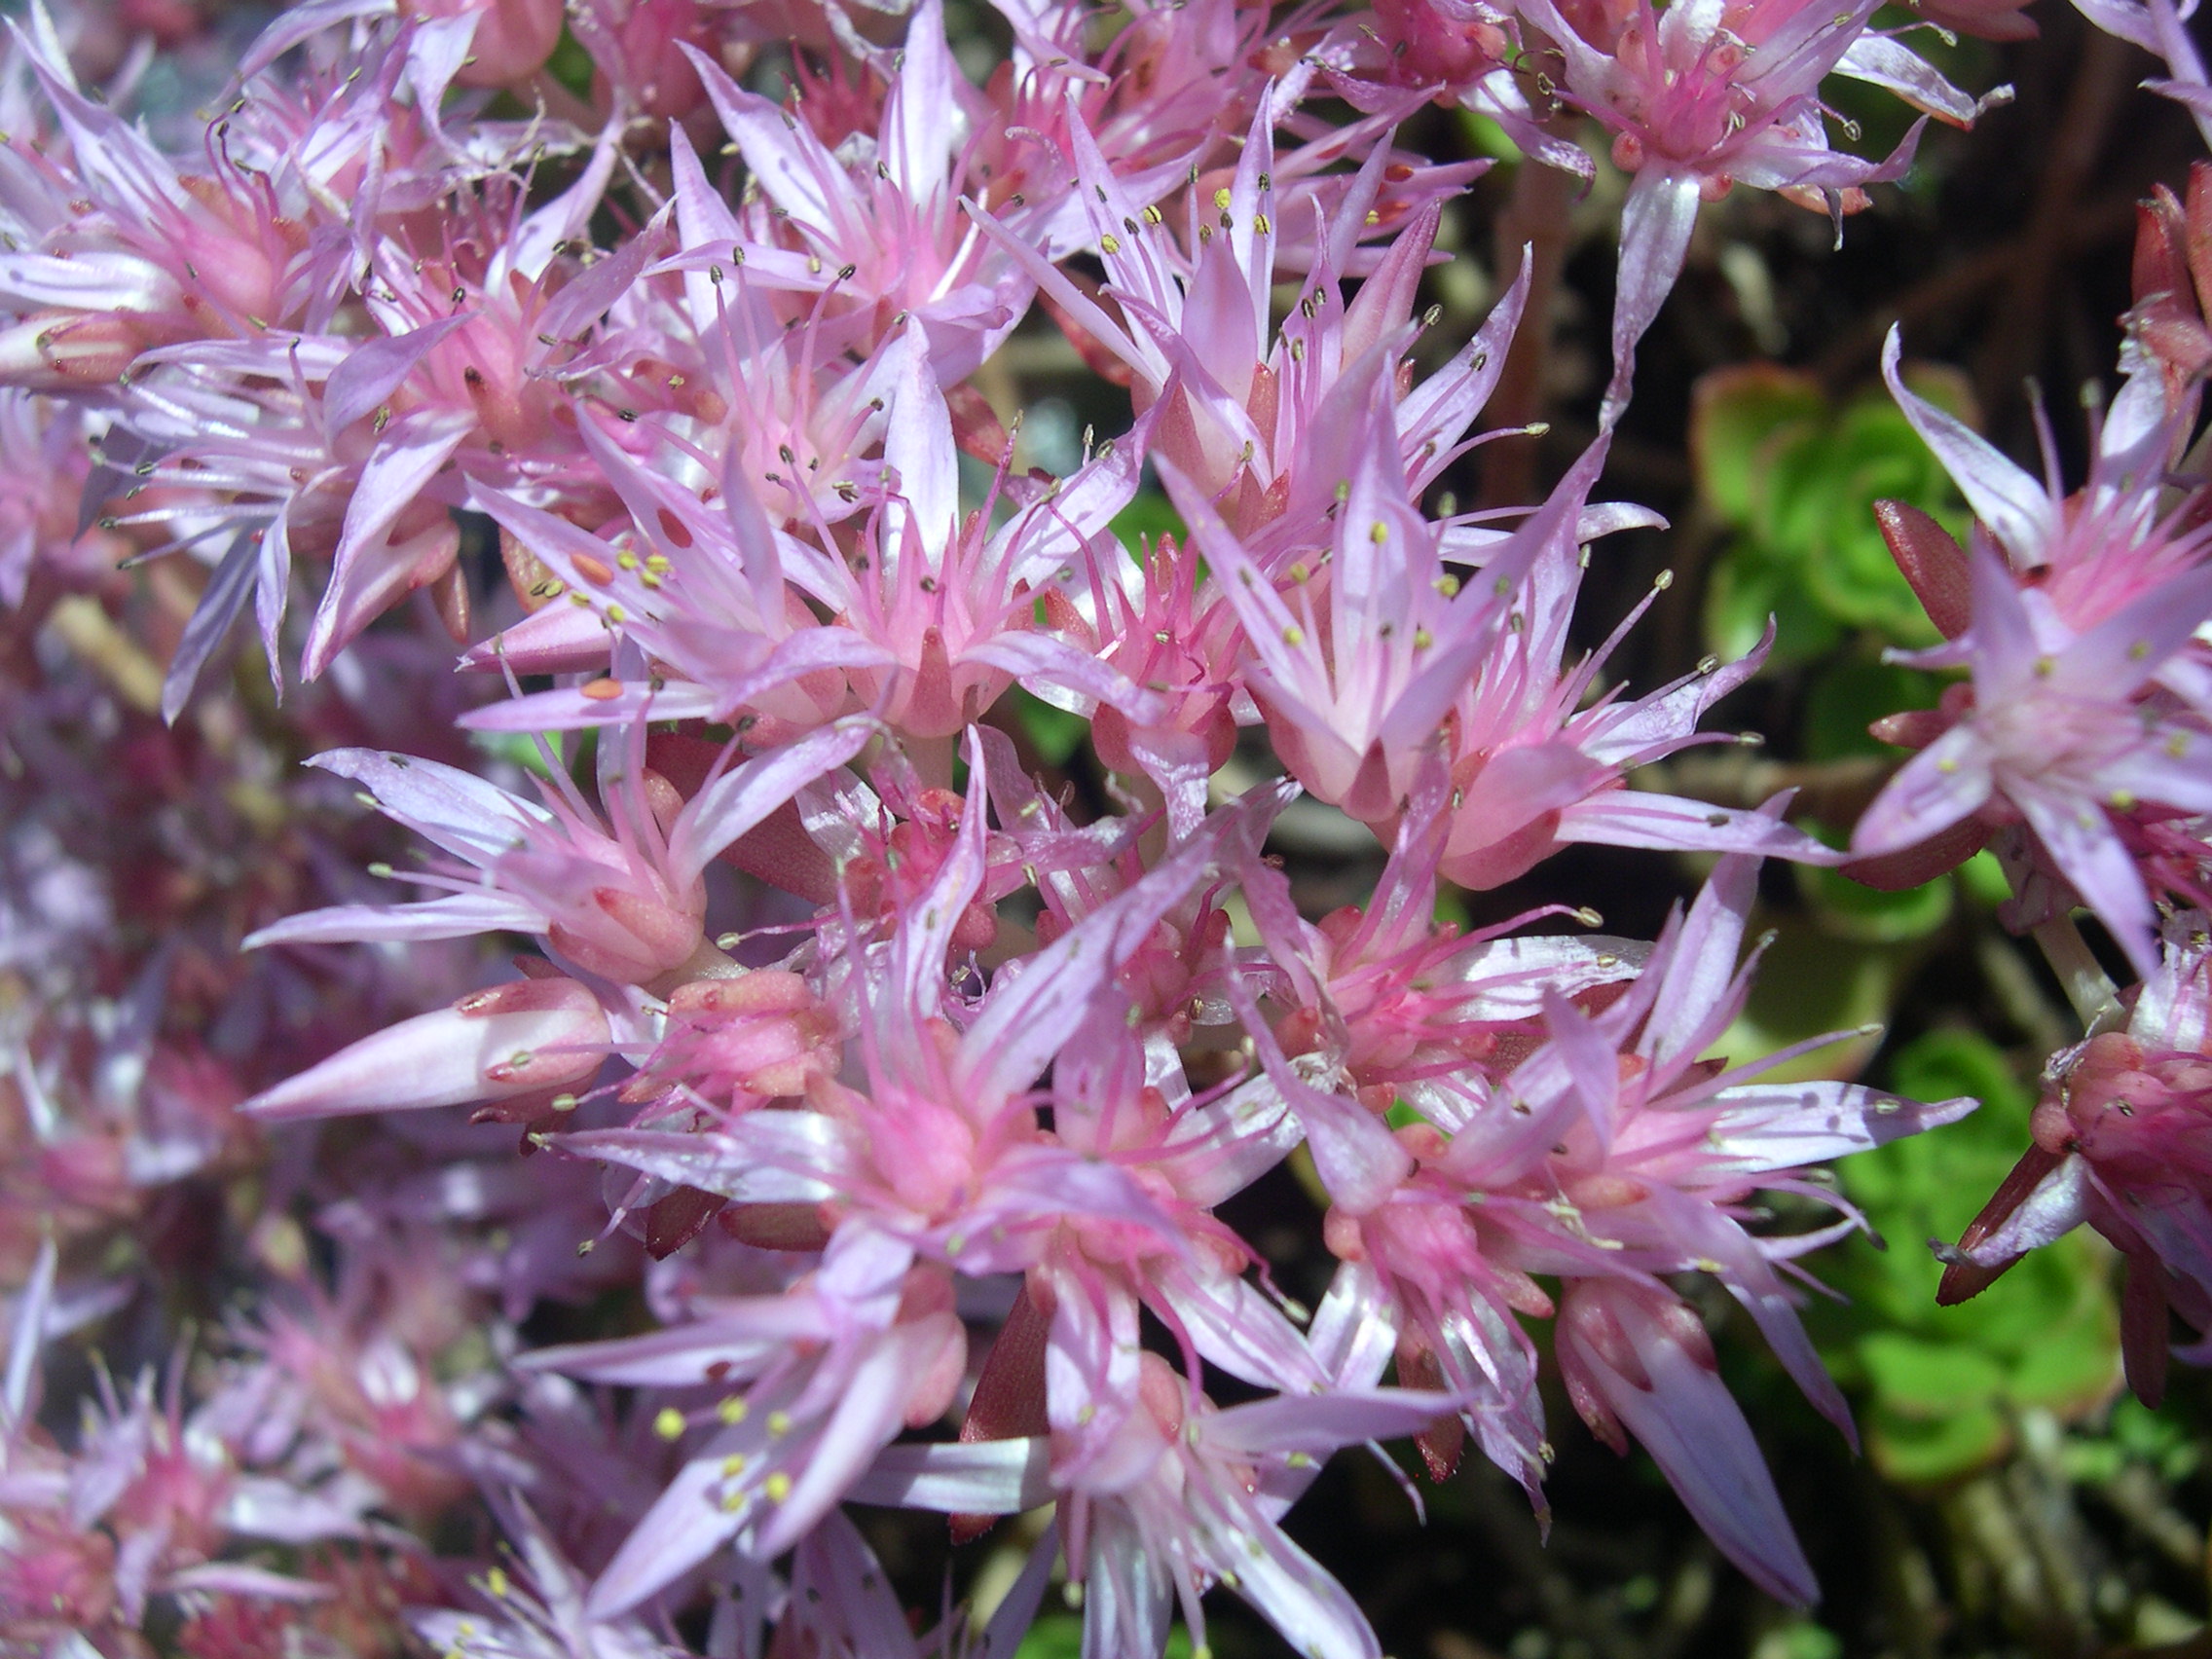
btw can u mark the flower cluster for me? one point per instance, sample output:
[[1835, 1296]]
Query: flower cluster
[[2079, 750], [890, 1093]]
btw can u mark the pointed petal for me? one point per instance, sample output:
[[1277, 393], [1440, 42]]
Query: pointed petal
[[444, 1058], [1696, 1432], [982, 1477], [2018, 511], [1656, 222], [1945, 783], [458, 916], [1773, 1126]]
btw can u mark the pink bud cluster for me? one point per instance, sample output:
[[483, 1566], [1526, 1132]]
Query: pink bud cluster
[[892, 1094]]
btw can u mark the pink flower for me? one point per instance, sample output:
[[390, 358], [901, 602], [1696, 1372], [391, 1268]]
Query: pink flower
[[829, 1374], [132, 253], [1702, 96], [1250, 413], [618, 899], [1635, 1358], [1536, 763], [537, 1612], [2161, 28], [933, 611], [2061, 734], [2084, 555], [1187, 1497], [885, 241], [1357, 664], [1613, 1153], [1162, 1495], [1409, 1008], [2122, 1143], [529, 1039]]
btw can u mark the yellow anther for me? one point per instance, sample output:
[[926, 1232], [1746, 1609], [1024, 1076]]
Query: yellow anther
[[669, 1423]]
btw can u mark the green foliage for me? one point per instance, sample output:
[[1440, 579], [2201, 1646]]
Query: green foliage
[[1799, 1638], [2135, 1435], [572, 66], [1059, 1635], [1054, 733], [578, 752], [1794, 476], [1486, 137], [1846, 697], [1943, 1385], [1150, 513], [1848, 910], [1812, 981], [1843, 697]]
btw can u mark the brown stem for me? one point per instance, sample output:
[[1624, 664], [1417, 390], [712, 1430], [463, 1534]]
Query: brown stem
[[1538, 217]]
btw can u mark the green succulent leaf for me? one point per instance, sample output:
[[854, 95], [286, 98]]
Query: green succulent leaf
[[1943, 1384], [1796, 475], [1740, 420], [1054, 733]]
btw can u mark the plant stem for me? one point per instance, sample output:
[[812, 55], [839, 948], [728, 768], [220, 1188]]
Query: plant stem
[[2095, 998]]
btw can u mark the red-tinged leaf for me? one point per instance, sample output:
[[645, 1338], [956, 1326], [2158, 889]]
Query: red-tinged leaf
[[677, 1218], [684, 760], [2197, 231], [1008, 1401], [1933, 562], [1442, 1442], [2144, 1329], [975, 425], [1010, 1390], [776, 1227], [1911, 866], [780, 852], [1963, 1280], [2158, 262], [1911, 728]]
